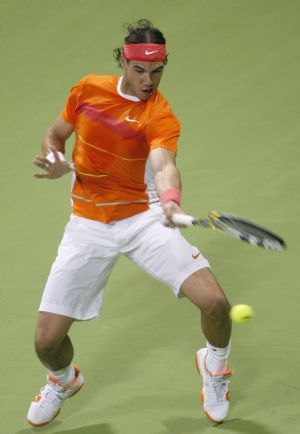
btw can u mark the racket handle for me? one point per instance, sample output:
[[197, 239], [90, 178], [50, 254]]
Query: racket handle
[[183, 219]]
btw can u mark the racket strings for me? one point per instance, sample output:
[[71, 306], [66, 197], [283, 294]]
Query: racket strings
[[246, 231]]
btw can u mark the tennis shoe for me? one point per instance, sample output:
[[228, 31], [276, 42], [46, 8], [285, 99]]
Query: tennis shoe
[[47, 404], [215, 392]]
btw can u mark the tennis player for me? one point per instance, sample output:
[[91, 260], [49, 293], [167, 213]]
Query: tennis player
[[125, 188]]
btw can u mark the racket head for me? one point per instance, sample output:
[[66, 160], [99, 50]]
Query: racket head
[[244, 230]]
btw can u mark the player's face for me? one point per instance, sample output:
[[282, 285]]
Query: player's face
[[141, 79]]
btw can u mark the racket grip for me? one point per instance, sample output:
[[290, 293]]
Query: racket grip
[[183, 219]]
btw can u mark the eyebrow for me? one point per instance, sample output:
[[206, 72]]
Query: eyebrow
[[139, 67], [159, 68]]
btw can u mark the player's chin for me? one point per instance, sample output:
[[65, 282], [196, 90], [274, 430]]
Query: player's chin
[[145, 94]]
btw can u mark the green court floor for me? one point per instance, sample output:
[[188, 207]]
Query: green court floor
[[233, 80]]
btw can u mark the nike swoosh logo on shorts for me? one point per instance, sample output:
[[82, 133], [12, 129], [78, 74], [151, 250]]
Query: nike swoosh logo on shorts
[[128, 119], [196, 256], [150, 52]]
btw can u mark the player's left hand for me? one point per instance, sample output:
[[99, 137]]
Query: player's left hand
[[169, 209]]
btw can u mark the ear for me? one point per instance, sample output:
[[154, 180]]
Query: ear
[[123, 61]]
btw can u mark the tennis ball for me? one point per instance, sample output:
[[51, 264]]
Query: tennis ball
[[241, 313]]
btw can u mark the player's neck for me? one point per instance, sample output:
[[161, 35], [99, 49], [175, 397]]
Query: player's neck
[[124, 91]]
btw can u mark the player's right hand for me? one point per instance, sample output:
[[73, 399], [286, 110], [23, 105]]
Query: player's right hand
[[52, 170]]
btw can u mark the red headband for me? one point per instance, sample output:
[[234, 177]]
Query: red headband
[[145, 52]]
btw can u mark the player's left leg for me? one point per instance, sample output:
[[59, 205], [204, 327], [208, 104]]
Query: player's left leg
[[166, 255], [205, 292], [203, 289]]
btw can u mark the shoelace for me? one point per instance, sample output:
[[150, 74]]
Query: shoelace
[[45, 392], [220, 387], [52, 388]]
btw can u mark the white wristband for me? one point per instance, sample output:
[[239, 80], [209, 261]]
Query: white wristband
[[50, 157]]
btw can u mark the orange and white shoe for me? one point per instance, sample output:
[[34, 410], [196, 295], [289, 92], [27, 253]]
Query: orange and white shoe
[[46, 405], [215, 392]]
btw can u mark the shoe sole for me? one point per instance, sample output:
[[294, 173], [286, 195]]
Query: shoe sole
[[218, 422], [38, 425]]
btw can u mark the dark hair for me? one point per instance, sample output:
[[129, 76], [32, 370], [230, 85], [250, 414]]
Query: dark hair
[[140, 32]]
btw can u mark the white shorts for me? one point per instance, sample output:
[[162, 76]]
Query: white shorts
[[89, 250]]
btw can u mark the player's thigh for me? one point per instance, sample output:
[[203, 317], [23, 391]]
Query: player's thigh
[[166, 255], [203, 289], [78, 277]]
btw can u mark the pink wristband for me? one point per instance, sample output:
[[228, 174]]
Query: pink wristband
[[171, 194]]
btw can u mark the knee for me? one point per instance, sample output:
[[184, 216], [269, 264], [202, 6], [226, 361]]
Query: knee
[[203, 289], [45, 342], [217, 306]]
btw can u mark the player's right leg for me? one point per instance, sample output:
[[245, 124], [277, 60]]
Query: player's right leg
[[52, 344], [55, 350], [74, 291]]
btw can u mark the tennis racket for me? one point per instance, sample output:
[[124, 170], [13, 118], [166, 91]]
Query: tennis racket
[[237, 227]]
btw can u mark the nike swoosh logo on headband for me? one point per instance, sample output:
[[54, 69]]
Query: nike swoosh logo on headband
[[150, 52]]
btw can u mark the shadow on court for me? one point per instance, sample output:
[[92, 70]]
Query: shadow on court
[[101, 428], [193, 425]]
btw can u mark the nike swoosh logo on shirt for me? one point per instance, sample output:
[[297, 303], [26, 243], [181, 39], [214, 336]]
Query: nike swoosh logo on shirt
[[150, 52], [128, 119]]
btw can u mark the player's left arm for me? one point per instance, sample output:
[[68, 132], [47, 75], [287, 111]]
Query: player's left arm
[[167, 181]]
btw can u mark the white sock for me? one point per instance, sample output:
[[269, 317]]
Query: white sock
[[65, 375], [216, 361]]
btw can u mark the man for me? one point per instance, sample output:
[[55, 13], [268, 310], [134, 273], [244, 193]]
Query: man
[[124, 162]]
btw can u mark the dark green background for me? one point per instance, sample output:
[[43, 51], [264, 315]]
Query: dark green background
[[233, 80]]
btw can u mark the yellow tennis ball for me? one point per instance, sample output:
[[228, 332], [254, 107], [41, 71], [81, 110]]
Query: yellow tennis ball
[[241, 313]]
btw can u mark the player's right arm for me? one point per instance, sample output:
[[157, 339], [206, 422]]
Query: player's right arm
[[51, 160]]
